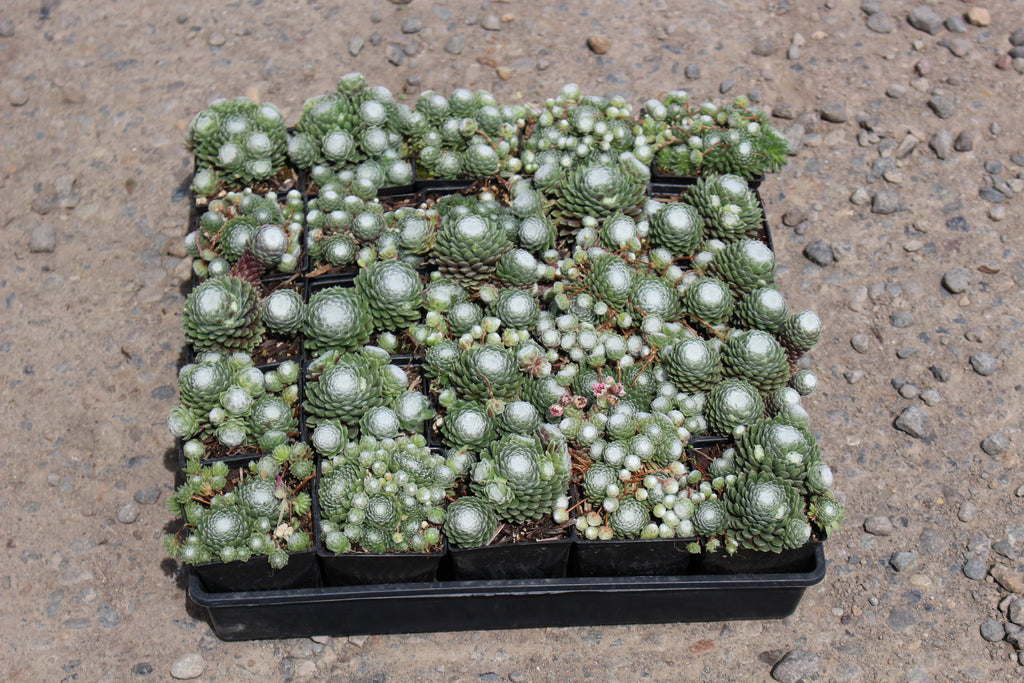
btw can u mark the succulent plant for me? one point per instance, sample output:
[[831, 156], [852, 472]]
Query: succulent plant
[[708, 300], [745, 265], [270, 227], [465, 135], [343, 386], [598, 190], [730, 209], [785, 450], [755, 356], [763, 308], [337, 318], [678, 227], [521, 476], [261, 510], [283, 312], [237, 140], [223, 314], [470, 522], [384, 495], [801, 332], [692, 364], [487, 371], [767, 513], [468, 248], [711, 138], [731, 403], [225, 400], [392, 292]]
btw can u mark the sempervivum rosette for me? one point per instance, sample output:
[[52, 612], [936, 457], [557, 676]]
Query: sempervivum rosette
[[336, 318], [730, 208], [598, 190], [745, 265], [223, 314], [468, 248], [238, 139], [344, 386], [392, 291], [766, 513], [757, 357], [487, 371], [521, 476]]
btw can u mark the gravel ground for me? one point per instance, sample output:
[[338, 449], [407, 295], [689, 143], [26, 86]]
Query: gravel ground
[[896, 221]]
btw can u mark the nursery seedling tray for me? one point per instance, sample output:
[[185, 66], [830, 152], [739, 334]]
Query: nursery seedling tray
[[482, 605]]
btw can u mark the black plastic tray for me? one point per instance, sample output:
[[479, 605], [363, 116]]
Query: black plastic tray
[[482, 605]]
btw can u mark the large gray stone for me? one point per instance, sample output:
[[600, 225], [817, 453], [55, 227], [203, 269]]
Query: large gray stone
[[797, 665], [924, 18], [913, 421]]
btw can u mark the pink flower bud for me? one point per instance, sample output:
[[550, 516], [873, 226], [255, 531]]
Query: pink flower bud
[[557, 410]]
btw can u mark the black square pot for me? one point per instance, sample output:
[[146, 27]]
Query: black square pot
[[359, 568], [256, 574], [746, 561], [529, 560], [631, 557]]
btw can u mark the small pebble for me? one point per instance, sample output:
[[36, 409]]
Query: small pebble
[[978, 16], [42, 239], [940, 373], [833, 112], [692, 71], [145, 668], [1017, 37], [795, 666], [147, 496], [994, 444], [924, 18], [901, 319], [885, 202], [188, 666], [860, 342], [902, 559], [1004, 62], [1005, 549], [992, 631], [793, 53], [860, 196], [853, 376], [930, 397], [1018, 64], [491, 22], [906, 352], [128, 513], [957, 280], [599, 44], [794, 217], [819, 252], [954, 24], [880, 22], [412, 25], [896, 90], [785, 110], [1015, 612], [878, 525], [912, 421], [984, 363], [944, 107], [909, 390], [967, 512], [764, 47], [975, 334], [726, 85], [355, 45], [456, 44], [975, 569], [964, 141]]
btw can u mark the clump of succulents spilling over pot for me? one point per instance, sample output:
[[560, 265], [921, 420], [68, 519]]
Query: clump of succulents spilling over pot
[[706, 138], [567, 331], [264, 509], [384, 495], [241, 221], [229, 406], [238, 141]]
